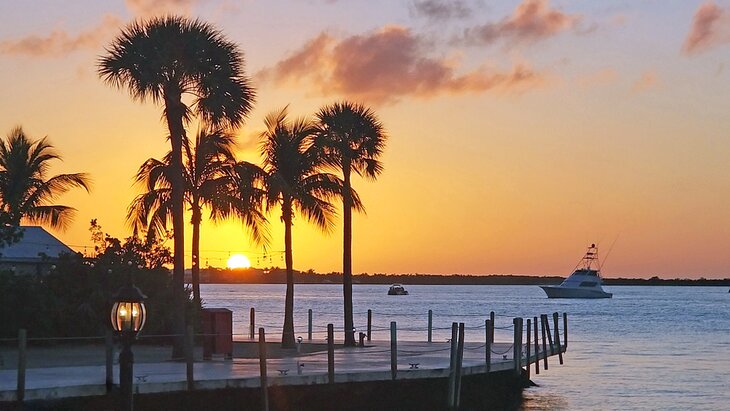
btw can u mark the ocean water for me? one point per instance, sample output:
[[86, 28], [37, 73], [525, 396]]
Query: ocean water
[[648, 348]]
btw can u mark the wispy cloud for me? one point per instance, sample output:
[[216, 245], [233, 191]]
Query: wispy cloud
[[710, 28], [441, 9], [531, 21], [60, 42], [148, 8], [648, 80], [602, 77], [386, 65]]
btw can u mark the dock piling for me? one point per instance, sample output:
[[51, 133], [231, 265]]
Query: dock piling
[[557, 337], [549, 334], [565, 331], [252, 320], [22, 345], [370, 323], [487, 344], [331, 353], [459, 362], [189, 360], [527, 347], [491, 331], [430, 324], [262, 369], [309, 325], [516, 360], [544, 342], [109, 351], [393, 350], [537, 347]]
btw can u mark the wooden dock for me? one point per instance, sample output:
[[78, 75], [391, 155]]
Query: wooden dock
[[375, 361]]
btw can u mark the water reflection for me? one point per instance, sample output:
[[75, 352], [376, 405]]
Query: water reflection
[[533, 399]]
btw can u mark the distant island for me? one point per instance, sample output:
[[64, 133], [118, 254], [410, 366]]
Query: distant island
[[277, 275]]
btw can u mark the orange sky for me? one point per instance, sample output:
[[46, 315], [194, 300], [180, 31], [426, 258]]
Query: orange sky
[[519, 131]]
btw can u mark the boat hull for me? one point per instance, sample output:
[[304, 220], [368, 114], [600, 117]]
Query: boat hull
[[570, 292]]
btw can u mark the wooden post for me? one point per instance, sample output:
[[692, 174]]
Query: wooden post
[[459, 362], [549, 334], [262, 369], [452, 367], [22, 345], [557, 337], [521, 339], [491, 331], [309, 326], [109, 348], [430, 324], [527, 347], [516, 346], [488, 344], [252, 320], [189, 356], [393, 350], [370, 323], [544, 343], [331, 353], [565, 331], [537, 347]]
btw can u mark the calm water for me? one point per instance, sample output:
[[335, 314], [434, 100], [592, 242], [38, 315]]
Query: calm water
[[647, 348]]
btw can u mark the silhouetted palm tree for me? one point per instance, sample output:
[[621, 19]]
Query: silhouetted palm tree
[[25, 189], [208, 167], [294, 182], [163, 60], [352, 139]]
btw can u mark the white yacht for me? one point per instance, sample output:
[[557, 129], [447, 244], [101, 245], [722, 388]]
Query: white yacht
[[585, 282]]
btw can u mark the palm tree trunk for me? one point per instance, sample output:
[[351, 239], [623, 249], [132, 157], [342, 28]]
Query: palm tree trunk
[[196, 253], [287, 335], [347, 257], [174, 115]]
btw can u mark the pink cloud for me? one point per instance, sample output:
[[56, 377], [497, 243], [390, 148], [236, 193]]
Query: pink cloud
[[531, 21], [386, 65], [648, 80], [60, 42], [710, 28]]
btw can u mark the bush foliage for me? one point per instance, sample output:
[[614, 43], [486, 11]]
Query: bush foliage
[[75, 299]]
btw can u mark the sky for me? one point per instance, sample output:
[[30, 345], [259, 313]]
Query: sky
[[519, 132]]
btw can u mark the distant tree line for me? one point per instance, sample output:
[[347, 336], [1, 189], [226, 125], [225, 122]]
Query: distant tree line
[[278, 276]]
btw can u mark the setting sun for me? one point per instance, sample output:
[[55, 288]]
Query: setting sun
[[238, 261]]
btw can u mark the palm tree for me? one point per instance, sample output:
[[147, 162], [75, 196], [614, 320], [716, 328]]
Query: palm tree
[[163, 60], [353, 139], [208, 166], [294, 182], [25, 190]]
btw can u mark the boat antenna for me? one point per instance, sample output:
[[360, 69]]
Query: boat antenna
[[600, 266]]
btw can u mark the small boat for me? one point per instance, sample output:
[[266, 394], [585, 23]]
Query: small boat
[[585, 282], [397, 289]]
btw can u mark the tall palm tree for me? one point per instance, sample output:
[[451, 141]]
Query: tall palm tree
[[208, 166], [294, 183], [353, 139], [164, 60], [25, 189]]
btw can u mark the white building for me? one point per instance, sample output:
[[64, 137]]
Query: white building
[[35, 253]]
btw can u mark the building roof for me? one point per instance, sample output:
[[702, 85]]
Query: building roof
[[35, 242]]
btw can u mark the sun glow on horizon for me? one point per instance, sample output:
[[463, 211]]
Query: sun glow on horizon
[[238, 261]]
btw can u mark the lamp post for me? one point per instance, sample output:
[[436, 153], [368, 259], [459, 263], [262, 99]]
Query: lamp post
[[128, 317]]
